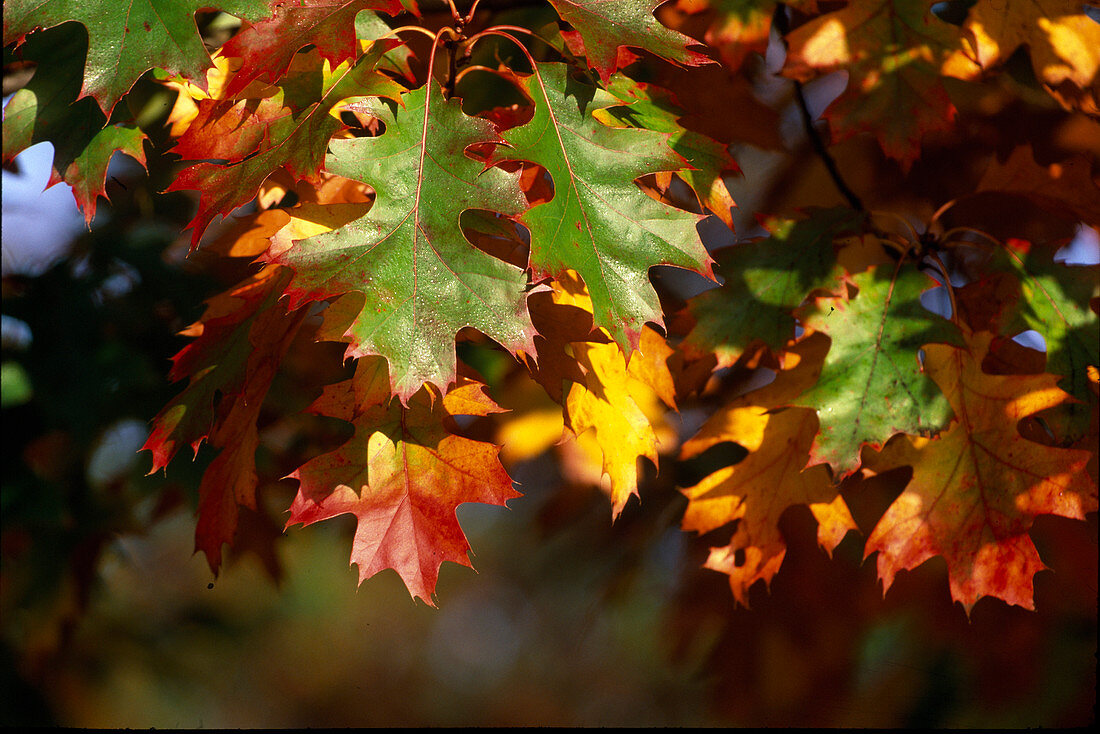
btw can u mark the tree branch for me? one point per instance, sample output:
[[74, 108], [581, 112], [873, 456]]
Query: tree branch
[[779, 21]]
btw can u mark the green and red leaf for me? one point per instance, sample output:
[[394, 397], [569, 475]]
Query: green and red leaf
[[422, 280], [289, 130], [603, 27], [266, 47], [599, 223]]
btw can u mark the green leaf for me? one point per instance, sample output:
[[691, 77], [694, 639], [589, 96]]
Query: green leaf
[[599, 223], [1054, 301], [47, 110], [422, 279], [871, 384], [765, 281], [605, 26], [652, 108], [127, 39]]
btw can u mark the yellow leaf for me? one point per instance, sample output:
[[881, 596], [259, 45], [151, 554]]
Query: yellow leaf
[[607, 405], [1064, 43], [755, 492], [620, 405]]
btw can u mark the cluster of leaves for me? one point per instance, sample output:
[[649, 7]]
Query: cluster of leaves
[[517, 178]]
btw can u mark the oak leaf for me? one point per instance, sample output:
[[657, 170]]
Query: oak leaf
[[267, 47], [605, 27], [121, 47], [1065, 188], [977, 487], [218, 363], [402, 474], [257, 137], [774, 475], [872, 385], [1026, 289], [1063, 41], [599, 223], [617, 401], [239, 342], [651, 108], [765, 281], [47, 109], [892, 51], [422, 280]]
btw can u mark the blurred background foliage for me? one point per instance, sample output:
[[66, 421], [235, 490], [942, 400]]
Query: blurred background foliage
[[109, 620]]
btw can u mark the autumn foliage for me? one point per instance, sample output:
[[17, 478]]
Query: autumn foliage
[[496, 214]]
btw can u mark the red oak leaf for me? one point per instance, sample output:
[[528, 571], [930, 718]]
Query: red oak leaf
[[605, 27], [403, 474], [288, 130], [219, 362], [977, 487], [267, 47], [892, 51], [241, 340]]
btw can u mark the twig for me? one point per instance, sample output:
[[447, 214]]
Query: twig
[[823, 153], [779, 20]]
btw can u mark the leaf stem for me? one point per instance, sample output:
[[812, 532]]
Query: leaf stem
[[419, 29], [990, 242], [502, 31], [454, 11]]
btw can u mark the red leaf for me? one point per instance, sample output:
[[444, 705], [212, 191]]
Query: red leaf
[[241, 341], [606, 27], [403, 474], [268, 46], [258, 137]]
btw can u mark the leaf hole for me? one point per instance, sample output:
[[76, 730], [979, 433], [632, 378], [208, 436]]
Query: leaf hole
[[360, 124], [719, 456], [498, 236], [739, 557]]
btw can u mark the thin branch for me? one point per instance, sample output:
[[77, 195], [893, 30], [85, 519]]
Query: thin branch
[[822, 152], [779, 20]]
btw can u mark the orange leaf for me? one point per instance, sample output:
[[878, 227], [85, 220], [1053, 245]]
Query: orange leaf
[[402, 474], [756, 491], [1063, 41], [892, 51], [977, 487], [1066, 188]]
